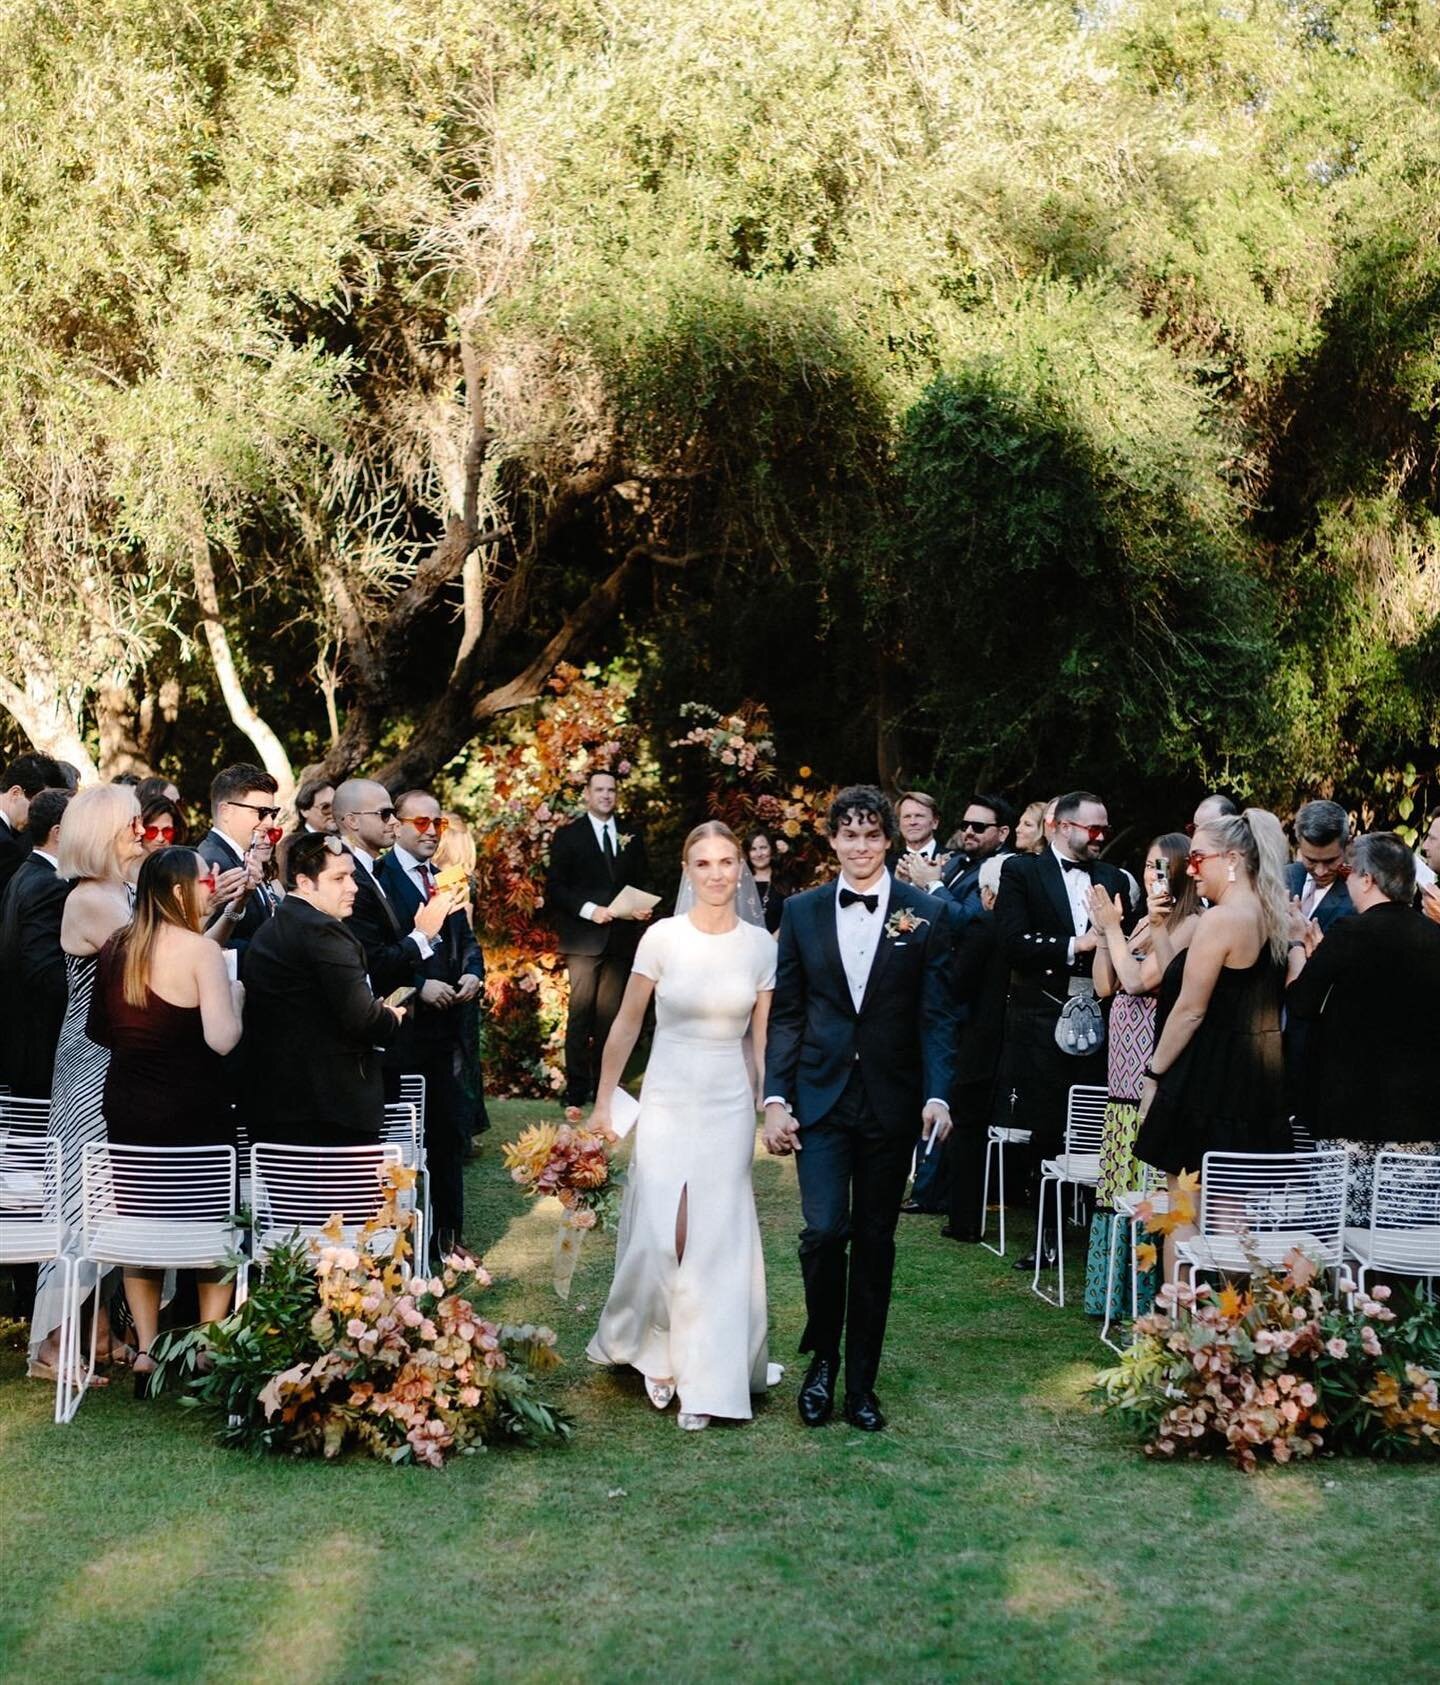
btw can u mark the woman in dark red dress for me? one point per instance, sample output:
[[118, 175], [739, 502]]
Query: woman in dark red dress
[[165, 1007]]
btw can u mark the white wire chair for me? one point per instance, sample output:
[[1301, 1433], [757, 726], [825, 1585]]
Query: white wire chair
[[1078, 1166], [297, 1190], [997, 1138], [1404, 1233], [18, 1111], [156, 1208], [1150, 1189], [1256, 1207], [412, 1093], [404, 1127], [32, 1231]]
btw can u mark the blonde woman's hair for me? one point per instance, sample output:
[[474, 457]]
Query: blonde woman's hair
[[457, 846], [93, 824], [710, 828], [1258, 838], [156, 906]]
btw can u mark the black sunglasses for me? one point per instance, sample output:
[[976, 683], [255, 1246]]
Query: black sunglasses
[[262, 813], [375, 812], [978, 824]]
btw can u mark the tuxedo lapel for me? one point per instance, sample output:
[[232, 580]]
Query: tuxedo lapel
[[1053, 875], [829, 939], [899, 898]]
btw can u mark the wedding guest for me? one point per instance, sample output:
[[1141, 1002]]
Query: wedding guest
[[1128, 971], [164, 1005], [394, 955], [20, 783], [1030, 829], [984, 832], [1210, 807], [310, 1014], [239, 845], [32, 962], [1043, 913], [917, 857], [591, 859], [760, 857], [162, 825], [980, 984], [152, 789], [1215, 1082], [457, 848], [1368, 988], [429, 1045], [100, 853], [1317, 876], [315, 808]]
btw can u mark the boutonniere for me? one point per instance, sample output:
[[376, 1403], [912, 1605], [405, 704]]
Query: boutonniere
[[626, 838], [903, 921]]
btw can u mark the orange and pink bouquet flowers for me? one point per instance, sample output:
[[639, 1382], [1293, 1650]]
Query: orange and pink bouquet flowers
[[572, 1163]]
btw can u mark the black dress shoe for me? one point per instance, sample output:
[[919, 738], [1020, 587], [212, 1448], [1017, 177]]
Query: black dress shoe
[[970, 1236], [817, 1392], [862, 1410]]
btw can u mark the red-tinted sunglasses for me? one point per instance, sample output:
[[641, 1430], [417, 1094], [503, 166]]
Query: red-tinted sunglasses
[[422, 823], [208, 879], [161, 833]]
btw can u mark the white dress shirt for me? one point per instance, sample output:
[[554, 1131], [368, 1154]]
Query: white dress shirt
[[601, 828], [1312, 895], [859, 932], [44, 854], [368, 862], [1077, 892]]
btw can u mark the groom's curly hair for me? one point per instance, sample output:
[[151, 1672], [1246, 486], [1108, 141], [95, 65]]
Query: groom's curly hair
[[859, 802]]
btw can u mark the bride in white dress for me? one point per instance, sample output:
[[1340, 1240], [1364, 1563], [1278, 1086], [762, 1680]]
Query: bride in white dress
[[687, 1305]]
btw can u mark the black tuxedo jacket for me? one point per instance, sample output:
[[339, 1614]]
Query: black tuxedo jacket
[[391, 960], [1336, 905], [32, 976], [218, 851], [14, 848], [1035, 925], [455, 954], [902, 1039], [312, 1026], [1370, 1059], [578, 873]]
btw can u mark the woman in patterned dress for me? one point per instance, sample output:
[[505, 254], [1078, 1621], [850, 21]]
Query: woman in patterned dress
[[1130, 969], [101, 847]]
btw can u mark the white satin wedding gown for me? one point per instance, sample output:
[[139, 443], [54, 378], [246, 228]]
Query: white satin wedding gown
[[700, 1317]]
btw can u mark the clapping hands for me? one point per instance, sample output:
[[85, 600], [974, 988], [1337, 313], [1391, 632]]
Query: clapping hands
[[1105, 914]]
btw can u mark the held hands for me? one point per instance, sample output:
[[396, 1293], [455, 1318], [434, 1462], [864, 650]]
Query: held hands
[[935, 1120], [1106, 915], [782, 1131]]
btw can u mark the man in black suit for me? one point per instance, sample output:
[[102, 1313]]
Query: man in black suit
[[452, 973], [313, 1025], [985, 831], [1317, 874], [20, 783], [240, 841], [1366, 994], [857, 1070], [590, 860], [915, 856], [32, 964], [395, 955], [1044, 928]]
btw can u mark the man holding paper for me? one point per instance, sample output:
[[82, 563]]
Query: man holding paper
[[594, 890]]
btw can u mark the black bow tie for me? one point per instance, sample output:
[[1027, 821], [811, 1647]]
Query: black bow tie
[[1075, 866], [848, 898]]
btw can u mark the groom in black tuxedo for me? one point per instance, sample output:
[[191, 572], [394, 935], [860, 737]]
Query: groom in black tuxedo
[[857, 1068]]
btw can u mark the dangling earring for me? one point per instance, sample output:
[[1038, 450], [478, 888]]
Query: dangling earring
[[1230, 875]]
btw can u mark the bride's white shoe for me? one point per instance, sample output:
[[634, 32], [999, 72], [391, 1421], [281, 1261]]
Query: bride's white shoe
[[661, 1392], [692, 1422]]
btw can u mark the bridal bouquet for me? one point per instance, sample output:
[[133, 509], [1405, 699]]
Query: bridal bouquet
[[339, 1345], [572, 1163], [1280, 1370]]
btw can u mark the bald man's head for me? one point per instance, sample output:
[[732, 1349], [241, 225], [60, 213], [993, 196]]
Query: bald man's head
[[365, 815]]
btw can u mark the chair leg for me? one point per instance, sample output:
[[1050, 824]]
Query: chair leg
[[1000, 1186], [1110, 1282], [985, 1190], [1060, 1242], [65, 1369]]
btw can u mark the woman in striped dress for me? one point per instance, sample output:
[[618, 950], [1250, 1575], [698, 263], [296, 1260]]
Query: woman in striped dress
[[101, 847]]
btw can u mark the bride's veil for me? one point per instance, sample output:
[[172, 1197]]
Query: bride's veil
[[747, 897]]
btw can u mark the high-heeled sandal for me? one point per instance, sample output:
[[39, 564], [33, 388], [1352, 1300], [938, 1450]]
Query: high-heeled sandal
[[661, 1392]]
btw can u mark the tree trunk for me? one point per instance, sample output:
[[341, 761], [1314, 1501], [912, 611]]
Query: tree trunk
[[267, 745], [50, 719]]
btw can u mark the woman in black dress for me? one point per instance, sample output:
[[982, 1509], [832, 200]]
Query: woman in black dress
[[760, 857], [1216, 1080], [165, 1007]]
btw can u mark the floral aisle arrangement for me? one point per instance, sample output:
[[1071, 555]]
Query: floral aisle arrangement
[[574, 1164], [1280, 1370], [339, 1346]]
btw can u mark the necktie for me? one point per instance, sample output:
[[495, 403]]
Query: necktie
[[1307, 900], [427, 883], [606, 846], [848, 898]]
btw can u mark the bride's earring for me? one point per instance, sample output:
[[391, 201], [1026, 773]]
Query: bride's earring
[[1230, 875]]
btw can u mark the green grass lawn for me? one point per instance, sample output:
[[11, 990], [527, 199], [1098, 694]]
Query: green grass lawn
[[998, 1532]]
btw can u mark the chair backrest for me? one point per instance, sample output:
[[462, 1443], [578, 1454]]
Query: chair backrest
[[161, 1207], [297, 1190], [19, 1112], [32, 1224], [401, 1128], [1085, 1118], [412, 1093], [1269, 1194], [1405, 1215]]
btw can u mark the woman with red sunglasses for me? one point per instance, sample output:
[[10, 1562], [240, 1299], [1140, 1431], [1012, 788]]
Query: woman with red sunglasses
[[163, 825], [1216, 1080]]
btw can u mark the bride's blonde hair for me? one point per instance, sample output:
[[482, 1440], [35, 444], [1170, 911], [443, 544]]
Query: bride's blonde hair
[[710, 828]]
